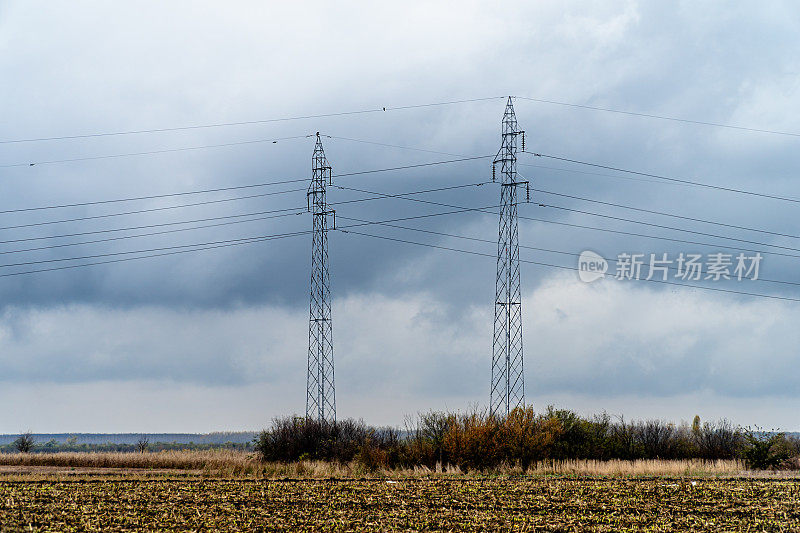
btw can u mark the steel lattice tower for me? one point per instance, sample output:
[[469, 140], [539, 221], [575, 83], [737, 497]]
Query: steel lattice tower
[[320, 390], [508, 382]]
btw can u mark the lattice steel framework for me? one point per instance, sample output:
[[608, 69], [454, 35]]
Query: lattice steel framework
[[320, 389], [508, 382]]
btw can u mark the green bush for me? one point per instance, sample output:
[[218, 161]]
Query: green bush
[[25, 442], [766, 451]]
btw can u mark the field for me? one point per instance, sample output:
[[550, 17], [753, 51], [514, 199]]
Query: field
[[223, 490], [435, 504]]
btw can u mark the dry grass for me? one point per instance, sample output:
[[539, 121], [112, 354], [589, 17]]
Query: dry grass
[[587, 468], [230, 463], [217, 462], [656, 467], [644, 467]]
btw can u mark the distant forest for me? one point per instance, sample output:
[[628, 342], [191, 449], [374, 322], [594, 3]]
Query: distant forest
[[121, 442]]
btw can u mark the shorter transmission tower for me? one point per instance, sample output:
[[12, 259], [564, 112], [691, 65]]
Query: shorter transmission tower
[[320, 389]]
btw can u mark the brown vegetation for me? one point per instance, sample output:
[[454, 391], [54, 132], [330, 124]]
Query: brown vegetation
[[237, 464], [215, 462], [475, 441]]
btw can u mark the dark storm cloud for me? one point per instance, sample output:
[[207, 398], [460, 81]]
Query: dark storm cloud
[[122, 68], [652, 72]]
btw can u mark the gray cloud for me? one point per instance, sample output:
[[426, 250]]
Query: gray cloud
[[411, 321]]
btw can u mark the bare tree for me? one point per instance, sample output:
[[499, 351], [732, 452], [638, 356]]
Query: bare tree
[[142, 444], [25, 442]]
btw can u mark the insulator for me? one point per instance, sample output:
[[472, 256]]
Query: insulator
[[493, 169], [523, 141]]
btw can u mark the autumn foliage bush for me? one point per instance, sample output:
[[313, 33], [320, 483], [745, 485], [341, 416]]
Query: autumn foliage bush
[[478, 441]]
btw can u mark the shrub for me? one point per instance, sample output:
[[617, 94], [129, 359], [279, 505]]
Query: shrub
[[719, 441], [657, 439], [478, 441], [295, 438], [434, 428], [766, 451], [25, 442], [622, 443]]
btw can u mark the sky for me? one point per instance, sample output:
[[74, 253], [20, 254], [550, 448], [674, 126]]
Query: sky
[[216, 340]]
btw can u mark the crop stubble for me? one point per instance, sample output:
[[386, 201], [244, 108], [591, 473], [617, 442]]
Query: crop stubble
[[436, 504]]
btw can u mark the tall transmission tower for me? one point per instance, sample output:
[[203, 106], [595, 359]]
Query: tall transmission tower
[[508, 381], [320, 389]]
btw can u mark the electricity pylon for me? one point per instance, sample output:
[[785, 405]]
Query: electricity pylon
[[508, 381], [320, 389]]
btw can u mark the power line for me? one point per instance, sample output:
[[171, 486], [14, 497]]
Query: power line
[[285, 212], [149, 152], [587, 213], [418, 165], [656, 178], [630, 178], [610, 217], [152, 209], [251, 240], [130, 252], [587, 173], [654, 237], [245, 122], [661, 213], [545, 167], [667, 178], [521, 217], [297, 211], [162, 254], [548, 250], [405, 195], [220, 244], [237, 187], [407, 218], [149, 234], [375, 143], [301, 211], [493, 256], [569, 170], [150, 197], [166, 251], [661, 117], [401, 196]]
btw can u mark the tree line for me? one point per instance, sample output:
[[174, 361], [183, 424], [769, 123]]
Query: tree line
[[478, 441]]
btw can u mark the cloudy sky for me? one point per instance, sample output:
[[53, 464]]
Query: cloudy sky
[[217, 339]]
